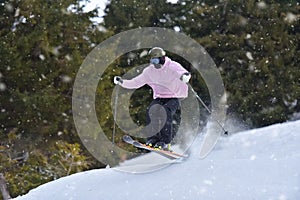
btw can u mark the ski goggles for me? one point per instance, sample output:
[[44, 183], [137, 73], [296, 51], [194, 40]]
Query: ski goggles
[[154, 60]]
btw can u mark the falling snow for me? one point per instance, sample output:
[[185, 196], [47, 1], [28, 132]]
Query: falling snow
[[249, 55], [66, 79], [2, 87]]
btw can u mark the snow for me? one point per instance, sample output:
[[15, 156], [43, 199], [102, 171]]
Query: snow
[[249, 55], [262, 5], [42, 57], [290, 17], [248, 36], [176, 28], [2, 87], [255, 164], [101, 5], [66, 78]]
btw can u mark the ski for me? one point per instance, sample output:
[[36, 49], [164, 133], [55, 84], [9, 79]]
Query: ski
[[168, 154]]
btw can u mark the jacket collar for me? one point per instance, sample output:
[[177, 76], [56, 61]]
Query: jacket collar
[[167, 62]]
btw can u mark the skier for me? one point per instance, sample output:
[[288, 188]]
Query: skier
[[168, 80]]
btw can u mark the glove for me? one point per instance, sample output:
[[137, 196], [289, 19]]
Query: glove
[[118, 80], [185, 77]]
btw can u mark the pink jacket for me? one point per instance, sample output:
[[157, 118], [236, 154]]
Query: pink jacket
[[165, 81]]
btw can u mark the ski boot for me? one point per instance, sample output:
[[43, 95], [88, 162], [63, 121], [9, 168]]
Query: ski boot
[[163, 146], [151, 142]]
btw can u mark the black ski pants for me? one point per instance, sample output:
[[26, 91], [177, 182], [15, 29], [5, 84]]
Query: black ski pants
[[171, 105]]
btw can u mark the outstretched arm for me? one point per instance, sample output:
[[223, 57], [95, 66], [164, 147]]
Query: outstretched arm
[[134, 83]]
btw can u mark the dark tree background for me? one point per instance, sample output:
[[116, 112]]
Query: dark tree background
[[255, 45]]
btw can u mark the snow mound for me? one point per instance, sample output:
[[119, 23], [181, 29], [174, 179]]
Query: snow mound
[[255, 164]]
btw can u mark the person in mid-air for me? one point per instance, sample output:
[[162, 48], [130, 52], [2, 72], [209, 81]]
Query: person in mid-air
[[168, 80]]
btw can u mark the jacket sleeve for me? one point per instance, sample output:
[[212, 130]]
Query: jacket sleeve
[[180, 70], [136, 82]]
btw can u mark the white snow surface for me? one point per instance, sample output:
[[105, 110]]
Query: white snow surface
[[256, 164]]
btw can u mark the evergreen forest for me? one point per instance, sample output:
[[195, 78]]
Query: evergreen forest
[[254, 43]]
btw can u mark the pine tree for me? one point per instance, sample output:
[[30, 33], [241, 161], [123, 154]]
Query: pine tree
[[42, 46], [129, 14], [255, 46]]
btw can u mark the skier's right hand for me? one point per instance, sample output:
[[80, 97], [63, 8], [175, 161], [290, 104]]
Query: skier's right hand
[[118, 80]]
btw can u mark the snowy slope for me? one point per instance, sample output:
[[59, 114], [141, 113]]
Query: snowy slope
[[257, 164]]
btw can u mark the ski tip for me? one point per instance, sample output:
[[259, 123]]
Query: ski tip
[[127, 138]]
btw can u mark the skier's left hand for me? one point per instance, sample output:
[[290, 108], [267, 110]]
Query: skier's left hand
[[185, 77]]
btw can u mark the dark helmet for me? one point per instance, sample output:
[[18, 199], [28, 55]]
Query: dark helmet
[[157, 52]]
